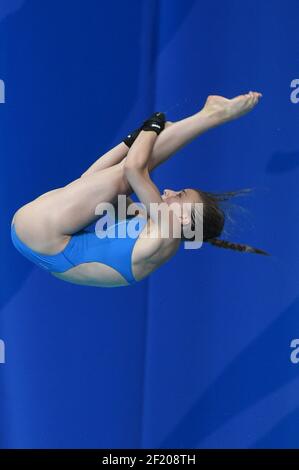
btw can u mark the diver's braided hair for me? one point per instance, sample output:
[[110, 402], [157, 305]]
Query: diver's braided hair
[[214, 218], [235, 246]]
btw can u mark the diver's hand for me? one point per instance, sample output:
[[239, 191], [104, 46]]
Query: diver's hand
[[226, 109]]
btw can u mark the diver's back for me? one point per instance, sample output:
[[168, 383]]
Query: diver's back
[[117, 261]]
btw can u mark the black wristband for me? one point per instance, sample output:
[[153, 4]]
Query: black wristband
[[130, 138], [155, 123]]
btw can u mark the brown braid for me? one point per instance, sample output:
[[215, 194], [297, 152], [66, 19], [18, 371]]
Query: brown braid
[[236, 246], [214, 218]]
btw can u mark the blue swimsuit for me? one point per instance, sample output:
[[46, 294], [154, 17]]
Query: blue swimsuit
[[86, 247]]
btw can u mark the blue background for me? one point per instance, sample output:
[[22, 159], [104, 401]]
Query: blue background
[[198, 355]]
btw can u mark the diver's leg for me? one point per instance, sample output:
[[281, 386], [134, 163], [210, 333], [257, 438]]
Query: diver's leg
[[112, 157], [216, 111], [179, 134], [175, 136], [46, 223]]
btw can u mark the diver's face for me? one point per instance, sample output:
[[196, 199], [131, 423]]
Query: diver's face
[[183, 196]]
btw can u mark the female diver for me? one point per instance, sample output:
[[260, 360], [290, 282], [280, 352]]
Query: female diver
[[52, 230]]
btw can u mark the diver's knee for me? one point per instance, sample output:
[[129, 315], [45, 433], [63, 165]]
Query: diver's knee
[[18, 216], [26, 219]]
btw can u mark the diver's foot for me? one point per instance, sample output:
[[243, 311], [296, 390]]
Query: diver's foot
[[228, 109]]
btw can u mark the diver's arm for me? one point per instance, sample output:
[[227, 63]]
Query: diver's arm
[[140, 153], [137, 174], [136, 169], [144, 188], [148, 194]]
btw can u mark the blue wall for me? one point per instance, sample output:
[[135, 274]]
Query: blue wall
[[198, 355]]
